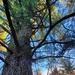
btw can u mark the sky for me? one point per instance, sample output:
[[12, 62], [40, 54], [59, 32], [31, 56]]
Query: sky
[[1, 64], [44, 72]]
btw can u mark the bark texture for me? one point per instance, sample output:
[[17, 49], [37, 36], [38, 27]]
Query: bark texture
[[20, 63], [18, 66]]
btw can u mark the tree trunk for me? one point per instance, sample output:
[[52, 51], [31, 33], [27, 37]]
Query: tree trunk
[[20, 63], [18, 66]]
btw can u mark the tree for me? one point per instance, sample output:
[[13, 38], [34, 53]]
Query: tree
[[67, 65], [66, 68], [38, 72], [30, 25], [55, 72]]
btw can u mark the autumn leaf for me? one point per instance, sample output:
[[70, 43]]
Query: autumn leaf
[[3, 35], [2, 49], [34, 36]]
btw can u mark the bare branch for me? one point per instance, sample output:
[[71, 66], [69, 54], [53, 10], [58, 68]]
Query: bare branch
[[59, 42], [4, 60], [5, 29], [6, 47], [54, 42], [44, 57]]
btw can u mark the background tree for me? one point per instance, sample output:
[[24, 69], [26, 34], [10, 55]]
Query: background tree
[[68, 66], [38, 72], [36, 30], [55, 72]]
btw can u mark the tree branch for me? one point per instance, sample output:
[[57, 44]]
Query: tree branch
[[4, 60], [59, 42], [5, 2], [62, 19], [49, 9], [5, 29], [6, 47], [44, 57], [53, 2], [54, 42]]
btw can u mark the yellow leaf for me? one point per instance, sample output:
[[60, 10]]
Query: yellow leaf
[[3, 48], [33, 21], [34, 36], [61, 1], [3, 33], [60, 34]]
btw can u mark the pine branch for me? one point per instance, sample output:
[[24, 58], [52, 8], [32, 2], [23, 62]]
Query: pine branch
[[62, 19], [5, 2]]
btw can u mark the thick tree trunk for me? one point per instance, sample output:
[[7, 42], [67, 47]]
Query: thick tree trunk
[[20, 63], [18, 66]]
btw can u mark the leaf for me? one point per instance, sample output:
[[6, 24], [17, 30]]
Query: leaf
[[2, 49], [61, 1], [60, 34], [34, 36], [33, 21], [3, 34]]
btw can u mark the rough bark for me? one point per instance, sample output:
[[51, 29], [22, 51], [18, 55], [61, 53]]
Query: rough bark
[[18, 66], [20, 63]]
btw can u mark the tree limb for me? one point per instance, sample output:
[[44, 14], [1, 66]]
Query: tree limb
[[6, 47], [44, 57], [4, 60], [49, 9], [5, 29], [54, 42]]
